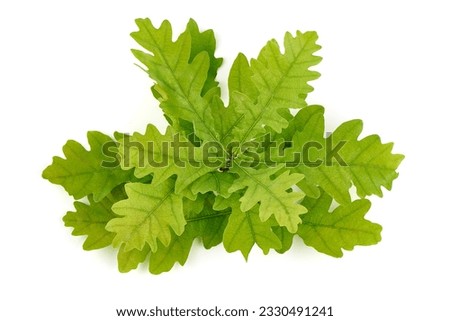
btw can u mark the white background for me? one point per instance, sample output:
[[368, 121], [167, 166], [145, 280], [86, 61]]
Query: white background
[[66, 68]]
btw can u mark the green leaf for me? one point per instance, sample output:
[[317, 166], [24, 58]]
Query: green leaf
[[299, 121], [130, 260], [91, 219], [204, 41], [200, 41], [337, 162], [282, 83], [180, 78], [164, 156], [177, 251], [240, 79], [224, 124], [147, 215], [343, 228], [83, 172], [274, 195], [217, 182], [209, 224], [285, 238], [309, 144], [245, 229], [239, 83], [371, 164], [202, 222]]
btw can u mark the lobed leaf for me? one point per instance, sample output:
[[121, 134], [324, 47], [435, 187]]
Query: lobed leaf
[[176, 251], [217, 182], [205, 41], [147, 215], [209, 223], [180, 79], [271, 193], [245, 229], [91, 219], [285, 238], [130, 260], [282, 83], [84, 172], [371, 164], [343, 228], [341, 160]]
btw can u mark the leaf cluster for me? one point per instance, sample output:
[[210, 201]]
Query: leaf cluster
[[256, 171]]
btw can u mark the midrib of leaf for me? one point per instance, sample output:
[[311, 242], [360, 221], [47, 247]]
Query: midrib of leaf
[[322, 239], [82, 187], [206, 217], [230, 130], [336, 188], [267, 103], [89, 221], [217, 180], [369, 166], [366, 167], [334, 226], [370, 178], [250, 224], [179, 88]]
